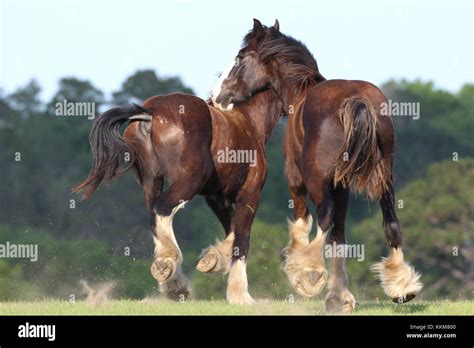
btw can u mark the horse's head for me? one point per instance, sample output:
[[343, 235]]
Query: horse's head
[[249, 73], [268, 59]]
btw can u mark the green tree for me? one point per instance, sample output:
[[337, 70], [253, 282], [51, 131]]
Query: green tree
[[26, 100], [146, 83], [76, 90]]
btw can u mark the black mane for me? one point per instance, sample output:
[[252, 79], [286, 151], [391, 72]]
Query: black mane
[[296, 63]]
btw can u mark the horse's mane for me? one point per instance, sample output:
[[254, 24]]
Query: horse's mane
[[296, 63]]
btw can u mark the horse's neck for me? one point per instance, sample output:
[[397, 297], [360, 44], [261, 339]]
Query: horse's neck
[[263, 112]]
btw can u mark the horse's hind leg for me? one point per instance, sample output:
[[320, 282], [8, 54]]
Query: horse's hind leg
[[399, 280], [339, 299], [217, 257], [153, 188], [166, 267]]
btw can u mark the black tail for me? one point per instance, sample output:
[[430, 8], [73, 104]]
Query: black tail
[[109, 150]]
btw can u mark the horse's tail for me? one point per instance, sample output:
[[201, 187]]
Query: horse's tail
[[360, 164], [109, 149]]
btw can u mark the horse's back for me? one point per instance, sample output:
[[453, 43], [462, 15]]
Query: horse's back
[[329, 94]]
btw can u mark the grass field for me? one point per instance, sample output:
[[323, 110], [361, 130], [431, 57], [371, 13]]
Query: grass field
[[164, 307]]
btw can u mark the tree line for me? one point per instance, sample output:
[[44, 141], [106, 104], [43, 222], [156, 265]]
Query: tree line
[[107, 238]]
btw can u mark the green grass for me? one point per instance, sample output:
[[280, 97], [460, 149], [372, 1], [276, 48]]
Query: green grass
[[164, 307]]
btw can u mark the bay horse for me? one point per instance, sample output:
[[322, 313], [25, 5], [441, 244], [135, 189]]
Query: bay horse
[[182, 139], [336, 141]]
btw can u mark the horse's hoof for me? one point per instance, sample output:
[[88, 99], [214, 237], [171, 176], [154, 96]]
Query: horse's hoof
[[404, 299], [340, 303], [207, 263], [162, 269], [240, 299], [311, 283]]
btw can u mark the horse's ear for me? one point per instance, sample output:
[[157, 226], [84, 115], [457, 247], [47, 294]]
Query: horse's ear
[[258, 30], [276, 26], [257, 25]]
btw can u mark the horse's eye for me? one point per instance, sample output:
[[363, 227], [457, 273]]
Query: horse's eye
[[237, 61]]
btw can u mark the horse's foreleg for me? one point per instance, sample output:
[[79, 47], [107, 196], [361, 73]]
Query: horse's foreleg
[[217, 257], [237, 283], [339, 299], [399, 280]]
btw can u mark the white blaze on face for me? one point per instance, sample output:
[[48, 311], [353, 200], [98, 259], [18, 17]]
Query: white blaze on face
[[218, 86]]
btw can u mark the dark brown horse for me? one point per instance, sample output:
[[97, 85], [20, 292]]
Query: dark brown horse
[[198, 149], [336, 140]]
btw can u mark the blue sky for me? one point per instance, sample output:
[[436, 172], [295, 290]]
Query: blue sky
[[105, 41]]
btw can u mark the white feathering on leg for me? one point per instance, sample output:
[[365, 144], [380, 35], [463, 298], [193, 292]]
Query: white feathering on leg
[[237, 284], [398, 278], [305, 266]]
